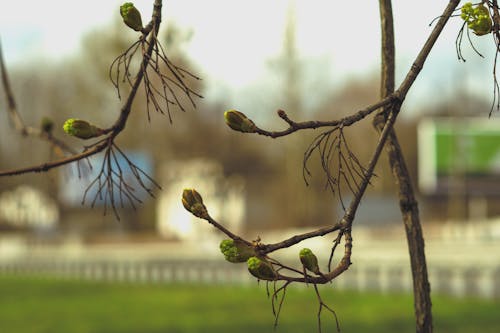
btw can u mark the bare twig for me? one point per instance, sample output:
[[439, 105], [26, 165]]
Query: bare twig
[[323, 305], [496, 39], [335, 154], [313, 124], [111, 181], [158, 71], [275, 297], [16, 118]]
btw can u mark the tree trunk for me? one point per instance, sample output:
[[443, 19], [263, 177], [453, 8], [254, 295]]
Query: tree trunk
[[407, 201]]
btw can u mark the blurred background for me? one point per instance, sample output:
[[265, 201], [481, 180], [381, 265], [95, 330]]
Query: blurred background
[[296, 55]]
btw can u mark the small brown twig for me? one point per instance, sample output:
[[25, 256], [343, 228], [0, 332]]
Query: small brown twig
[[339, 163], [336, 242], [111, 178], [313, 124], [323, 305], [275, 297], [157, 71], [16, 118], [226, 231]]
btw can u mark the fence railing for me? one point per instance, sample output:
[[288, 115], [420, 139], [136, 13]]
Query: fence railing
[[146, 271], [446, 279]]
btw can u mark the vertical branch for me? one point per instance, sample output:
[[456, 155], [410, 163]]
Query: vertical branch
[[11, 102], [407, 202]]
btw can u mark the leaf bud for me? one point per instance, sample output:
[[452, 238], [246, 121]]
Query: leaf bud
[[46, 125], [261, 269], [478, 18], [131, 16], [193, 203], [238, 121], [482, 25], [309, 260], [236, 251], [81, 129]]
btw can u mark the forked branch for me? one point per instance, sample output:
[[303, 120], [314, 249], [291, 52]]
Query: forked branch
[[163, 82]]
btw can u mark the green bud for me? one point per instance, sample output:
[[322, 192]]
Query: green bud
[[481, 10], [193, 203], [467, 8], [261, 269], [482, 24], [478, 18], [47, 124], [309, 260], [131, 16], [81, 129], [238, 121], [236, 251]]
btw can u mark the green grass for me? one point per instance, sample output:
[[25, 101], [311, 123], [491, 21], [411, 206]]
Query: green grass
[[49, 305]]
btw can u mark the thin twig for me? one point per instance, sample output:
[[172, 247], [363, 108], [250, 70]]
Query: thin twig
[[313, 124], [16, 118]]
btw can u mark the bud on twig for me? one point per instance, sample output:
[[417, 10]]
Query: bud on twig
[[261, 269], [309, 260], [47, 125], [81, 129], [193, 203], [236, 251], [131, 16], [238, 121]]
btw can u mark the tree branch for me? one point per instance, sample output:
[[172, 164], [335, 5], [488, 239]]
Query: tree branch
[[113, 131], [16, 119], [392, 105], [313, 124]]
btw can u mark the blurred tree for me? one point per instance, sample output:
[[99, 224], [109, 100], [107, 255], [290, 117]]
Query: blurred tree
[[303, 197]]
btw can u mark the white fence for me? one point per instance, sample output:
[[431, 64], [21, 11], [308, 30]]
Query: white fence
[[458, 281], [463, 260], [445, 279], [145, 271]]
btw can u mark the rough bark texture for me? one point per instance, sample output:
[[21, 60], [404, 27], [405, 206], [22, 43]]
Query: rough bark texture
[[407, 201]]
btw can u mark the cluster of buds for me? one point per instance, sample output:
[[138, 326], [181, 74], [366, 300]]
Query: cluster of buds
[[261, 269], [238, 121], [236, 251], [309, 260], [478, 18], [193, 203], [81, 129], [131, 16]]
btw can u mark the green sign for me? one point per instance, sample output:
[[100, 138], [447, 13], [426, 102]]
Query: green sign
[[466, 147]]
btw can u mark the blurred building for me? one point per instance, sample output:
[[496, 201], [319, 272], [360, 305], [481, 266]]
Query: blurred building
[[26, 207], [223, 196], [459, 166]]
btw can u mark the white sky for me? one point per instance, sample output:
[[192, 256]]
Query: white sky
[[233, 39]]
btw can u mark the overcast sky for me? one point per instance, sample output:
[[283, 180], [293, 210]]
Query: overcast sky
[[233, 40]]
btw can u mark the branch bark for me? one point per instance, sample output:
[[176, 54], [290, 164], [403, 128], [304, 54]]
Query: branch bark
[[407, 201]]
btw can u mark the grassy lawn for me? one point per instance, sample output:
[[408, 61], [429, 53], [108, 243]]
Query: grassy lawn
[[49, 305]]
